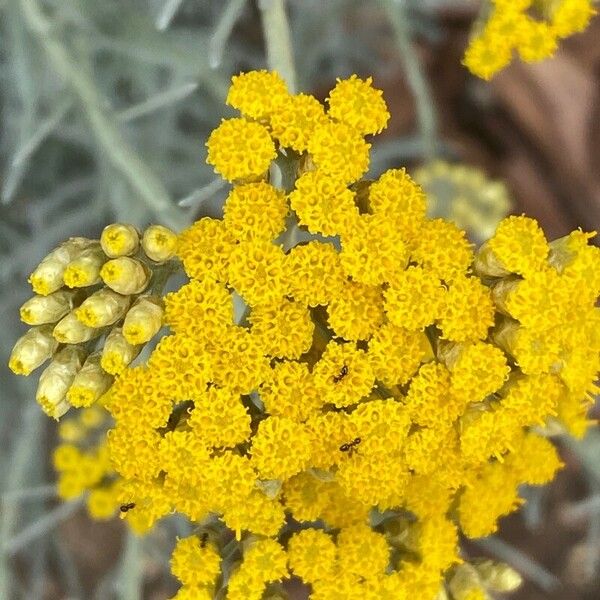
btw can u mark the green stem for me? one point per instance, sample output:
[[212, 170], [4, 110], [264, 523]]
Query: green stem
[[121, 155], [276, 29], [426, 114]]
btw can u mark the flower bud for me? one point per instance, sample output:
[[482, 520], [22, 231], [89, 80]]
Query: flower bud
[[56, 380], [91, 382], [498, 577], [119, 239], [70, 330], [102, 308], [32, 350], [84, 269], [47, 277], [125, 275], [117, 353], [40, 310], [144, 320], [159, 243]]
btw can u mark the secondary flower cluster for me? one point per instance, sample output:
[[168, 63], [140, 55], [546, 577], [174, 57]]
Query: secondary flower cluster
[[531, 28], [341, 408], [464, 195], [92, 313]]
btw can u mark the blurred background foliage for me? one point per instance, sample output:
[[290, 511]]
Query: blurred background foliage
[[104, 109]]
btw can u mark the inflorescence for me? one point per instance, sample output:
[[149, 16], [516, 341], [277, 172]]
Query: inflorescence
[[532, 28], [346, 386]]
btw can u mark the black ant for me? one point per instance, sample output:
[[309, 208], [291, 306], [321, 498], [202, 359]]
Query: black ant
[[350, 447], [127, 507], [343, 373], [203, 540]]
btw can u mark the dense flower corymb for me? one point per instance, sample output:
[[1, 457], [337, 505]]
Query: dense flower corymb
[[337, 409], [532, 29]]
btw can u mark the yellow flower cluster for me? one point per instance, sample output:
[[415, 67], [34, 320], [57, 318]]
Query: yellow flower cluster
[[531, 28], [92, 313], [341, 409], [83, 463]]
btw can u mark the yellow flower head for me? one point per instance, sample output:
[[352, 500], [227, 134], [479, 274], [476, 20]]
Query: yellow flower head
[[354, 101], [339, 151], [257, 94], [255, 210], [294, 122], [188, 554], [283, 329], [240, 150], [323, 203], [205, 249]]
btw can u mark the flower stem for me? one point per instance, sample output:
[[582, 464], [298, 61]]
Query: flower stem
[[276, 29]]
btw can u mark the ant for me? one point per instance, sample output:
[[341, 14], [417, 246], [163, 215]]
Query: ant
[[343, 373], [203, 540], [350, 447], [127, 507]]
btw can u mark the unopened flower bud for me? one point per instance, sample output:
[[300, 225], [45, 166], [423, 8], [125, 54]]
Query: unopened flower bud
[[159, 243], [466, 585], [119, 239], [84, 269], [32, 350], [498, 577], [48, 275], [91, 382], [70, 330], [117, 353], [40, 310], [102, 308], [144, 320], [57, 379], [126, 275]]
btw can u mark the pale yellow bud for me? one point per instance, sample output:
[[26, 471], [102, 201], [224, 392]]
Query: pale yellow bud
[[48, 275], [102, 308], [159, 243], [119, 239], [126, 275], [70, 330], [84, 270], [118, 353], [466, 585], [32, 350], [40, 310], [91, 382], [57, 379], [498, 577], [144, 320]]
